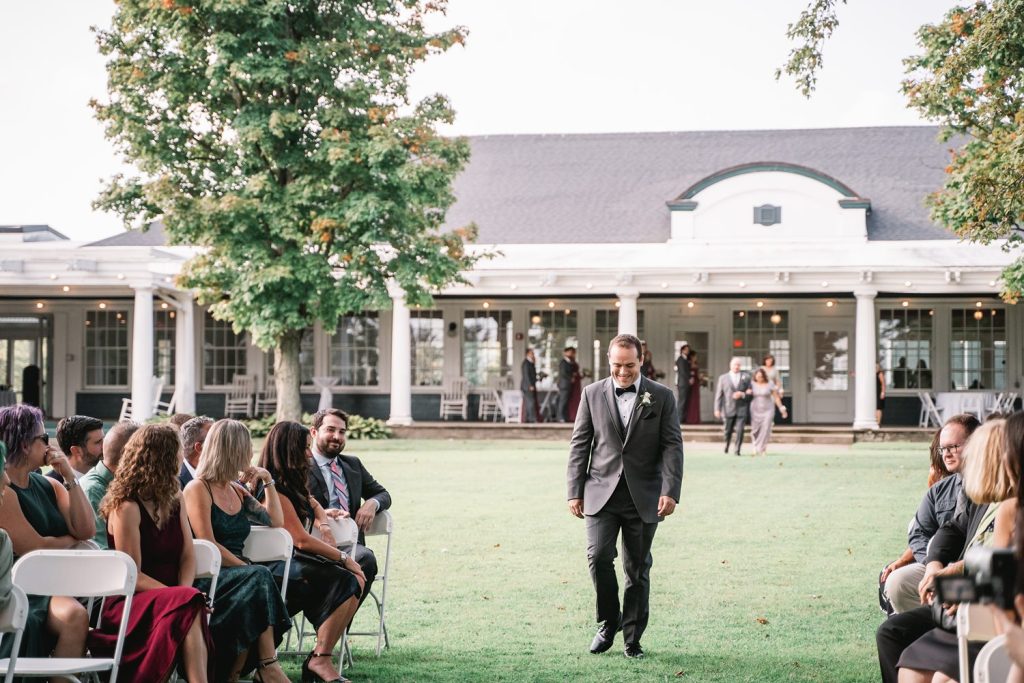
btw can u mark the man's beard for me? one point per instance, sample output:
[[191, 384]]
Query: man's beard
[[330, 447]]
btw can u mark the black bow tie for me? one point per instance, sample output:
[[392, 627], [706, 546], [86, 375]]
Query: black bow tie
[[631, 389]]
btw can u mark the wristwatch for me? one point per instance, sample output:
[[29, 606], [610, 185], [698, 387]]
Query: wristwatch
[[70, 484], [344, 556]]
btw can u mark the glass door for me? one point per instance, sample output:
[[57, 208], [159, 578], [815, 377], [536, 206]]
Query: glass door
[[699, 342], [830, 383], [25, 361]]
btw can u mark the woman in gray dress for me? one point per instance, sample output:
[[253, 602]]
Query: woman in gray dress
[[762, 410]]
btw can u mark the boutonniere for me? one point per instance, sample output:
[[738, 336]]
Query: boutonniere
[[645, 400]]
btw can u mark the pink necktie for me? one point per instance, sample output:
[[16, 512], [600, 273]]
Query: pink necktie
[[340, 489]]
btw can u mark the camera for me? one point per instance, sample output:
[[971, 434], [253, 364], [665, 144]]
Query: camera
[[990, 577]]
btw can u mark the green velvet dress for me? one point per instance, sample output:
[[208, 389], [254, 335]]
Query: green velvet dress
[[247, 600], [39, 505]]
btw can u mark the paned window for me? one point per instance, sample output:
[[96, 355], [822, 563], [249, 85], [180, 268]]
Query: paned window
[[606, 328], [106, 348], [758, 333], [224, 352], [905, 347], [427, 328], [487, 346], [355, 353], [977, 351], [551, 331], [163, 345]]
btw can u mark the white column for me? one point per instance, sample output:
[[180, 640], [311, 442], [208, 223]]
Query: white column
[[864, 367], [401, 361], [627, 310], [185, 354], [142, 353]]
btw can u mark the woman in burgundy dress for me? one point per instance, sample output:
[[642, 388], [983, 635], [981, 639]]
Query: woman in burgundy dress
[[692, 416], [167, 621]]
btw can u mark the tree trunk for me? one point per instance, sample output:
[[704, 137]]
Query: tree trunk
[[286, 376]]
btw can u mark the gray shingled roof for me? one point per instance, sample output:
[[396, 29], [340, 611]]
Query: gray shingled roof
[[154, 236], [613, 187], [33, 233]]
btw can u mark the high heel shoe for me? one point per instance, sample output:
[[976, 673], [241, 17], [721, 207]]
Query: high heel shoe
[[312, 676], [257, 675]]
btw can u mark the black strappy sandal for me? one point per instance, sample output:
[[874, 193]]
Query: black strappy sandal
[[257, 675], [312, 676]]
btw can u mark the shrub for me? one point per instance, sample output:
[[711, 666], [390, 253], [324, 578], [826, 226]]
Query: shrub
[[358, 427]]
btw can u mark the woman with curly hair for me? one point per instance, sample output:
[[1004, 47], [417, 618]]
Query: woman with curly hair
[[145, 520], [249, 616], [324, 583]]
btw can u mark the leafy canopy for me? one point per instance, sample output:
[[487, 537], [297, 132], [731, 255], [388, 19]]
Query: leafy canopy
[[280, 137]]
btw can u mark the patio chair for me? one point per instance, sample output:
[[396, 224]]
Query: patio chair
[[512, 405], [1005, 402], [455, 399], [163, 408], [12, 620], [126, 403], [239, 399], [266, 400], [930, 413], [993, 662], [207, 564], [83, 574], [490, 405]]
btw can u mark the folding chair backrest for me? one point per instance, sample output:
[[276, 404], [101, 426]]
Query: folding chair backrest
[[266, 544], [12, 620], [344, 530], [158, 389], [383, 523], [993, 662], [207, 562], [456, 389]]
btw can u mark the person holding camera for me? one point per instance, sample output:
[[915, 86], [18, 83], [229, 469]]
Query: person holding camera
[[921, 644]]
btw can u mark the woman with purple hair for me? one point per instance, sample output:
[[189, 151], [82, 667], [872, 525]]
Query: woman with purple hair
[[39, 513]]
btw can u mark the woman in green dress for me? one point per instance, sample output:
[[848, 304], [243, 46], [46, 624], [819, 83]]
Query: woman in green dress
[[249, 617], [38, 513]]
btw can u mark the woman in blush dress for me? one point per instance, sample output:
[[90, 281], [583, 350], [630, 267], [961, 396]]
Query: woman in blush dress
[[692, 416], [167, 620], [762, 410]]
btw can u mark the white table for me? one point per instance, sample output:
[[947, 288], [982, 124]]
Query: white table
[[326, 395], [952, 403]]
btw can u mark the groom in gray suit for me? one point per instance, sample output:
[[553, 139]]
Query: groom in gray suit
[[625, 473], [732, 401]]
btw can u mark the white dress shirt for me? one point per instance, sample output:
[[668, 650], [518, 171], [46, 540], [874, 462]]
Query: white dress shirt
[[324, 463], [191, 470], [625, 402]]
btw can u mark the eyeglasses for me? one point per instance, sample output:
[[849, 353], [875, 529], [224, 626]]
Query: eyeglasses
[[943, 450], [45, 438]]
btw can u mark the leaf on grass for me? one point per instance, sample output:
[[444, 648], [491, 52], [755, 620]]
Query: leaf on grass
[[725, 561], [849, 551], [497, 545], [680, 674], [815, 597], [762, 621], [486, 597], [560, 608]]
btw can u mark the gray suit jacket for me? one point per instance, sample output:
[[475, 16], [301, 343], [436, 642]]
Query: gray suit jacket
[[649, 453], [725, 403]]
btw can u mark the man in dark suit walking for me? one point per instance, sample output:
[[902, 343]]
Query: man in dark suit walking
[[625, 473], [567, 370], [732, 401], [683, 381], [341, 482], [528, 385]]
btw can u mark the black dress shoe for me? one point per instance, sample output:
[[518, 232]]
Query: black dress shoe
[[633, 651], [604, 639]]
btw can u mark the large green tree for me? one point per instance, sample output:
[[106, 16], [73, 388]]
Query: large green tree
[[279, 137], [969, 77]]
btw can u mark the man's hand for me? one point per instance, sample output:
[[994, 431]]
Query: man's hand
[[364, 516], [737, 394], [889, 569], [666, 506], [718, 415], [335, 513], [576, 507]]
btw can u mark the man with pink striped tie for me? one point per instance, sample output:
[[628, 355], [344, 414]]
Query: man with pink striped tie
[[341, 483]]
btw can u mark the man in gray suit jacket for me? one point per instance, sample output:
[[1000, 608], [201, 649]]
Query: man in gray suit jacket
[[732, 401], [625, 472]]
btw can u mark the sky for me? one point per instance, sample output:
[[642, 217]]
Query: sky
[[529, 66]]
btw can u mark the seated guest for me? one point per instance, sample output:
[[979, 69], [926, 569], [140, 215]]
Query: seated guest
[[910, 642], [327, 591], [81, 439], [38, 513], [339, 483], [179, 419], [193, 434], [902, 576], [6, 564], [249, 617], [167, 619], [97, 480]]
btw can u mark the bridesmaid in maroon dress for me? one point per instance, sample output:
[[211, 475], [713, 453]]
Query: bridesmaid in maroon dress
[[692, 416], [167, 621]]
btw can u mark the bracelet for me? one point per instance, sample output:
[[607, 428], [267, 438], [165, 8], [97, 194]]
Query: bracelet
[[322, 525], [270, 483]]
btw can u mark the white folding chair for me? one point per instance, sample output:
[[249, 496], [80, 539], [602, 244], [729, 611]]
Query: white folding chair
[[81, 574], [993, 662], [266, 544], [207, 564], [164, 409], [974, 622], [383, 525], [930, 413], [12, 620], [490, 405], [126, 403]]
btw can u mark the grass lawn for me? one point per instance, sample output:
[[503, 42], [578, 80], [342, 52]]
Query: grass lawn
[[765, 573]]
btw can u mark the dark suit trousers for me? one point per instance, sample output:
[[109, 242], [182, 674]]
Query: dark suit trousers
[[367, 561], [563, 403], [529, 406], [735, 423], [896, 634], [602, 532], [684, 394]]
